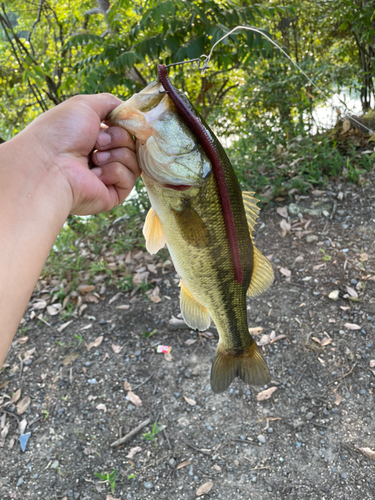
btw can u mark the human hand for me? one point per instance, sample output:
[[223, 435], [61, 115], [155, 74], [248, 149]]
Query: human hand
[[64, 138]]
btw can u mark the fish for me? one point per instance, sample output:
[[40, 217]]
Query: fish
[[199, 212]]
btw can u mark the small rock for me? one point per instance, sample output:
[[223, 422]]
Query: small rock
[[92, 381], [19, 482], [311, 237], [309, 416], [102, 322], [148, 484], [270, 430], [261, 438], [334, 295], [172, 463]]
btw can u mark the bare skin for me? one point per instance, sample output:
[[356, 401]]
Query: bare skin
[[44, 177]]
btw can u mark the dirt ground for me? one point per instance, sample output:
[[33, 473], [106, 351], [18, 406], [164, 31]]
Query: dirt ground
[[302, 443]]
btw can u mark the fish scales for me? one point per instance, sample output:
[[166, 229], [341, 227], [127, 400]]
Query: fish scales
[[187, 215]]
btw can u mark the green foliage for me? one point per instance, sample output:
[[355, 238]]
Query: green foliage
[[109, 478], [151, 436]]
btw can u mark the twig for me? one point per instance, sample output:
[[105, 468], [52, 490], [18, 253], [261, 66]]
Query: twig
[[302, 374], [197, 449], [319, 425], [345, 374], [139, 385], [166, 437], [131, 433], [3, 410]]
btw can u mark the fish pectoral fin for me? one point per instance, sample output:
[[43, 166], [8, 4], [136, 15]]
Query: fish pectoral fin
[[247, 364], [192, 228], [262, 277], [194, 314], [153, 232], [251, 209]]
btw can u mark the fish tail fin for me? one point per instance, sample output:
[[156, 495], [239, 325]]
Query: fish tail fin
[[247, 364]]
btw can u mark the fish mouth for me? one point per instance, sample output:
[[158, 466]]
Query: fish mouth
[[177, 187]]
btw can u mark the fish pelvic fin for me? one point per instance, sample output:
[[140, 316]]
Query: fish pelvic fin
[[153, 232], [194, 314], [262, 277], [247, 364]]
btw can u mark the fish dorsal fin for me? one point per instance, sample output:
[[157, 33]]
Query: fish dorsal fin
[[194, 314], [251, 209], [153, 232], [262, 277]]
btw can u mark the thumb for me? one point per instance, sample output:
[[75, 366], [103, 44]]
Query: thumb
[[102, 104]]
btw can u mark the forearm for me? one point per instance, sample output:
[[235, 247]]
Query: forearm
[[32, 212]]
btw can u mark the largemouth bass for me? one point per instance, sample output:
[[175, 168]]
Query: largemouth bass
[[217, 266]]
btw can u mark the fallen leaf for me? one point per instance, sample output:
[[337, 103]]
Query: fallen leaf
[[338, 398], [283, 211], [257, 330], [64, 325], [190, 401], [168, 356], [96, 343], [276, 339], [82, 289], [127, 386], [316, 340], [285, 226], [69, 359], [217, 467], [54, 309], [22, 340], [183, 464], [4, 432], [352, 292], [133, 451], [334, 295], [123, 306], [116, 348], [319, 266], [286, 272], [16, 396], [368, 452], [23, 405], [264, 395], [190, 341], [346, 126], [352, 326], [264, 340], [205, 488], [372, 363], [154, 296], [102, 406], [325, 341], [344, 308], [133, 398], [42, 304], [4, 384]]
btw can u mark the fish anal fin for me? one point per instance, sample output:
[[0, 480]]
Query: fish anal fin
[[192, 227], [262, 277], [251, 209], [247, 364], [194, 314], [153, 232]]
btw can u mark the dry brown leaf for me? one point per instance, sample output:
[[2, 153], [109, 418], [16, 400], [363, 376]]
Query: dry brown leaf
[[127, 386], [368, 452], [345, 126], [82, 289], [168, 356], [86, 327], [64, 325], [372, 363], [96, 343], [4, 432], [91, 298], [22, 426], [22, 340], [190, 401], [140, 278], [190, 341], [352, 326], [286, 272], [41, 304], [116, 348], [217, 467], [325, 341], [318, 341], [204, 489], [264, 340], [345, 308], [54, 309], [133, 451], [154, 296], [23, 405], [133, 398], [102, 406], [16, 396], [338, 398], [264, 395], [257, 330], [123, 306], [69, 359], [276, 339], [183, 464], [283, 211], [285, 226], [352, 292], [152, 268], [319, 266], [4, 384]]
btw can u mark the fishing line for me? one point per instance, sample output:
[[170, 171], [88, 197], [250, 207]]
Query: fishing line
[[204, 65]]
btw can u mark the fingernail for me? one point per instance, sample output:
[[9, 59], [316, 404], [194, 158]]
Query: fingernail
[[103, 139], [97, 171], [102, 156]]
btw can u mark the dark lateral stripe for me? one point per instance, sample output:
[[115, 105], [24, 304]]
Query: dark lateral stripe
[[199, 130]]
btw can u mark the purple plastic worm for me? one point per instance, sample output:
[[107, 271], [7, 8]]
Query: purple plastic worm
[[199, 130]]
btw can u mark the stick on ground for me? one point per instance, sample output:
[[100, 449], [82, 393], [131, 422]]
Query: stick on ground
[[131, 433]]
